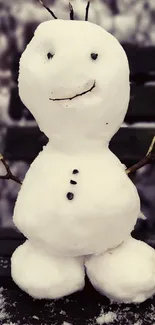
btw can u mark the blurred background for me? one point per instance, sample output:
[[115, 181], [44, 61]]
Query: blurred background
[[133, 23]]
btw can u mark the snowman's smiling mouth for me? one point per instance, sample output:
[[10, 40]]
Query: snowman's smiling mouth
[[78, 95]]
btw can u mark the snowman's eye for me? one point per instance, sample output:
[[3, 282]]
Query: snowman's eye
[[50, 55], [94, 56]]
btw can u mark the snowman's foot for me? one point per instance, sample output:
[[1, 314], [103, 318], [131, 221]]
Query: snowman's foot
[[44, 276], [126, 273]]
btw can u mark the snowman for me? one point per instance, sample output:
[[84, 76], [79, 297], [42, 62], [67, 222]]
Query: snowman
[[77, 207]]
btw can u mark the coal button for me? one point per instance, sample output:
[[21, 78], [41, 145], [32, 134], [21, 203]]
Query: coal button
[[75, 171], [70, 196], [73, 182]]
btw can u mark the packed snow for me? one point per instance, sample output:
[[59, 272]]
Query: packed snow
[[83, 85]]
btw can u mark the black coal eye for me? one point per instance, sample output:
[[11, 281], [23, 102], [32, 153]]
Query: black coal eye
[[50, 55], [94, 56]]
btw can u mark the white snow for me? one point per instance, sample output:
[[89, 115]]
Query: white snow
[[59, 81], [79, 103], [79, 130], [142, 216], [45, 276], [35, 317], [139, 322], [9, 323], [106, 318], [62, 312], [126, 273], [3, 314]]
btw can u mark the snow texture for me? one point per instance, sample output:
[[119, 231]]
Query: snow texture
[[106, 318], [44, 276], [126, 273], [76, 198], [3, 313], [21, 18], [77, 311]]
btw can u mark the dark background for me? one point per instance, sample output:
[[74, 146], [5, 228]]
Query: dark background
[[133, 23]]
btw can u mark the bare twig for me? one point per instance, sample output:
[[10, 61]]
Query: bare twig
[[48, 9], [148, 159], [87, 10], [9, 174], [71, 11]]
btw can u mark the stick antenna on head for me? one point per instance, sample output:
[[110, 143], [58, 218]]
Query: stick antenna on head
[[71, 11], [87, 11], [48, 9]]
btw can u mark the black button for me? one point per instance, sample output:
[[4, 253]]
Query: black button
[[75, 171], [50, 55], [70, 196], [94, 56], [73, 182]]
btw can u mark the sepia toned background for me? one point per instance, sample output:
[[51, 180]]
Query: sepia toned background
[[133, 23]]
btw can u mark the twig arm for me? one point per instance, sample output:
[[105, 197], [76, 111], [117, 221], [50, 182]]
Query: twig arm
[[148, 159], [9, 174], [87, 11], [48, 9]]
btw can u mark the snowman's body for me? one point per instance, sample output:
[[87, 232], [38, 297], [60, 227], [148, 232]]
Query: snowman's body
[[82, 215], [76, 199], [77, 219]]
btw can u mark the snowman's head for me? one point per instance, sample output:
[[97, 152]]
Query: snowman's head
[[74, 78]]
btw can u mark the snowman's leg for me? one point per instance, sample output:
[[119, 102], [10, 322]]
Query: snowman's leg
[[44, 276], [126, 273]]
